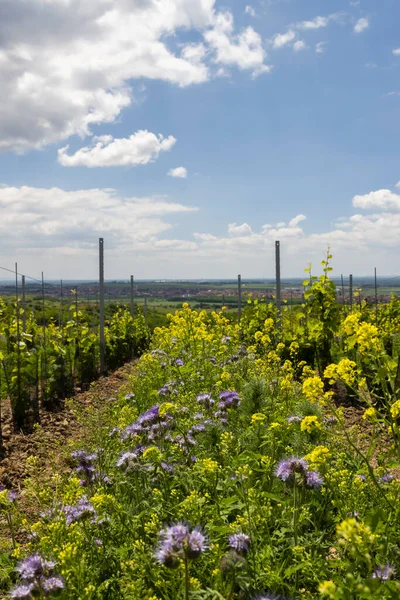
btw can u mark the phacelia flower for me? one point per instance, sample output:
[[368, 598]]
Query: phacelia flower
[[294, 419], [239, 542], [295, 470], [287, 468], [52, 584], [384, 573], [81, 510], [34, 566], [22, 591], [127, 461], [179, 541], [314, 480]]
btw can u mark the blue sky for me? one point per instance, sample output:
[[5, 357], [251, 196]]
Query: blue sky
[[281, 118]]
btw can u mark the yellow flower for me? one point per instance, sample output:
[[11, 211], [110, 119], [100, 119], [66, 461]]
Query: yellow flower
[[345, 370], [318, 456], [395, 409], [207, 465], [258, 418], [310, 424], [328, 588], [370, 414], [313, 388], [274, 425], [355, 533]]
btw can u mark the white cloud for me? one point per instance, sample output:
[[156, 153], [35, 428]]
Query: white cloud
[[137, 231], [66, 65], [381, 199], [243, 229], [282, 39], [299, 45], [294, 222], [58, 219], [140, 148], [396, 51], [316, 23], [361, 25], [320, 47], [244, 50], [398, 184], [178, 172], [249, 10]]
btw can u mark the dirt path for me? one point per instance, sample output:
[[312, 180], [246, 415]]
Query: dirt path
[[54, 430]]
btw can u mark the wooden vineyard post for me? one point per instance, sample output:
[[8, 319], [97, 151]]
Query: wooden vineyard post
[[278, 282], [132, 298], [23, 304], [101, 281], [239, 298], [351, 292]]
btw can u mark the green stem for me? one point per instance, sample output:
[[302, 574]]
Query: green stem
[[186, 577], [295, 524], [11, 528], [230, 595]]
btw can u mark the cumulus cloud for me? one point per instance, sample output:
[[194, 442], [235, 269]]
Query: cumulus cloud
[[316, 23], [140, 148], [178, 172], [243, 229], [244, 50], [249, 10], [299, 46], [282, 39], [381, 199], [361, 25], [320, 47], [67, 65], [59, 219], [396, 51]]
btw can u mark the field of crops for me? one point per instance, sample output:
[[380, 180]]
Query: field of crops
[[230, 470], [45, 355]]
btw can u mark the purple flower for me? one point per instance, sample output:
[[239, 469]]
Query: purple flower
[[229, 399], [34, 566], [386, 478], [22, 591], [384, 573], [198, 428], [287, 468], [294, 419], [164, 390], [314, 480], [205, 400], [127, 461], [179, 362], [11, 494], [114, 431], [225, 339], [79, 511], [167, 467], [196, 544], [129, 396], [239, 542], [52, 584], [179, 541], [98, 543]]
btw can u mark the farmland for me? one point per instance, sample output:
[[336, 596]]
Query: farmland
[[245, 460]]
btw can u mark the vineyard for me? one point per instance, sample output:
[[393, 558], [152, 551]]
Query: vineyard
[[247, 460]]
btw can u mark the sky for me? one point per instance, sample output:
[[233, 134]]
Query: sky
[[193, 134]]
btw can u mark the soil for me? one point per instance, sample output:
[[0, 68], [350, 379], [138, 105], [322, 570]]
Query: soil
[[55, 429]]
